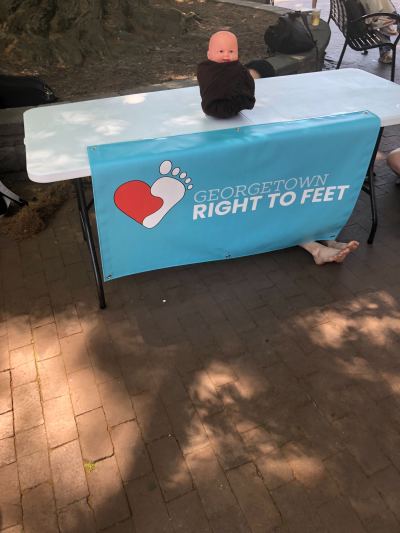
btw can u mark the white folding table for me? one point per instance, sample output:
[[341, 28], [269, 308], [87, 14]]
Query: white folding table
[[57, 136]]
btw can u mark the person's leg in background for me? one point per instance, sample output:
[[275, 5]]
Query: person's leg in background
[[393, 161], [385, 53], [386, 28]]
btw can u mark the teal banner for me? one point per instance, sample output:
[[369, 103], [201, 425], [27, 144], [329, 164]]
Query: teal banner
[[229, 193]]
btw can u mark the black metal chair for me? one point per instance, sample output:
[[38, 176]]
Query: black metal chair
[[354, 23]]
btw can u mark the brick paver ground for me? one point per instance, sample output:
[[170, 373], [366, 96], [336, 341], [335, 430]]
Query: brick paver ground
[[255, 395]]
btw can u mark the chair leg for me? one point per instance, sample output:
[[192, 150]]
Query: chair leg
[[341, 55], [393, 64]]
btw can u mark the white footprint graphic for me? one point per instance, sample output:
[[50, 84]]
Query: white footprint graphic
[[171, 190]]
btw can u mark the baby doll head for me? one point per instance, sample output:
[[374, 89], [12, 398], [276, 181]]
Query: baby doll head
[[223, 47]]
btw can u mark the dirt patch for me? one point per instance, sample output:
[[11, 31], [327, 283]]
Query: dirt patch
[[43, 202], [138, 60]]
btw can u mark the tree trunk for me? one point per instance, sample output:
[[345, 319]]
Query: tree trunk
[[66, 32]]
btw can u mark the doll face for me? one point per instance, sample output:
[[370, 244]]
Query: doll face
[[223, 47]]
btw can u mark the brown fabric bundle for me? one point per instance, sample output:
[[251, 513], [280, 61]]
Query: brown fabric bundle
[[225, 88]]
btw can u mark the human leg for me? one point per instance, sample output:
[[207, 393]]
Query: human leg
[[385, 55], [385, 51], [384, 28], [393, 160]]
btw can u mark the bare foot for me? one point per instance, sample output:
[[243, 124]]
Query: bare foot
[[326, 254], [352, 245], [331, 252]]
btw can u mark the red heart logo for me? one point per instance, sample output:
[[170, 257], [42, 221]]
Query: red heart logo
[[134, 198]]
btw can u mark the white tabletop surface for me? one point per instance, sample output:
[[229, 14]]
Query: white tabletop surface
[[56, 136]]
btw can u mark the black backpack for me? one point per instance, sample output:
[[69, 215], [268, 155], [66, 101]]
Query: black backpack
[[21, 91], [290, 35]]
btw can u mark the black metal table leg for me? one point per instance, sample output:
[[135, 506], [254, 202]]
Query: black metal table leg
[[371, 192], [369, 188], [87, 234]]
